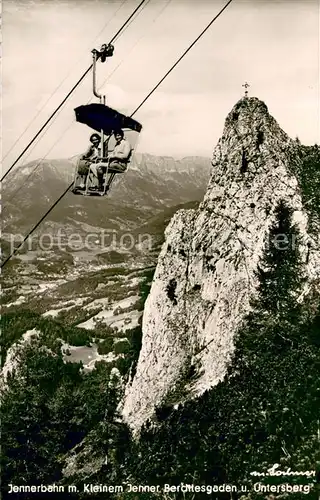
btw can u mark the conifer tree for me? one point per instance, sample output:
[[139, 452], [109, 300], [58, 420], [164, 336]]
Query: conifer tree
[[279, 272]]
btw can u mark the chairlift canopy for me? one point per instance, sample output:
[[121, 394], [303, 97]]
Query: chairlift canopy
[[100, 117]]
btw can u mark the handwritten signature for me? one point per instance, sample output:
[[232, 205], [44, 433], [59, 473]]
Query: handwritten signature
[[274, 471]]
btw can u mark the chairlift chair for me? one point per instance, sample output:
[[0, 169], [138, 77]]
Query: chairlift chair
[[105, 120]]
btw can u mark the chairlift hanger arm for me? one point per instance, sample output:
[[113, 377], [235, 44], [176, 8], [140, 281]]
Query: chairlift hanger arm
[[105, 51]]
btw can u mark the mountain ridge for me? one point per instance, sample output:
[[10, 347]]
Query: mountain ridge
[[151, 183]]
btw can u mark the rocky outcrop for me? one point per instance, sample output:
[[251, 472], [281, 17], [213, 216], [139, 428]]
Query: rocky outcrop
[[205, 274], [12, 361]]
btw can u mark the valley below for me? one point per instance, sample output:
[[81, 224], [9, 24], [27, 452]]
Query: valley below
[[90, 264]]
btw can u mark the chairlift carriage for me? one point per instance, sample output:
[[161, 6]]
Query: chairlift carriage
[[106, 121]]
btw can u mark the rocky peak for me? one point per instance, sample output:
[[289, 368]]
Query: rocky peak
[[252, 141], [205, 275]]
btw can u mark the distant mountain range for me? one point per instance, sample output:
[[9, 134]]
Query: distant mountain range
[[150, 186], [141, 202]]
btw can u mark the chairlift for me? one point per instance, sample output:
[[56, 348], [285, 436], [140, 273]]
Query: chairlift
[[106, 121]]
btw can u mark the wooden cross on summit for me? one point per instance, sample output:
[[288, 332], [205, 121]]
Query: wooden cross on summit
[[246, 85]]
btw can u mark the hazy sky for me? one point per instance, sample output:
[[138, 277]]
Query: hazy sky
[[274, 45]]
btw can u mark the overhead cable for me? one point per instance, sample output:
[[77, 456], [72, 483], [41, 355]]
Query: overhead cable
[[182, 56], [38, 162], [144, 100], [68, 95], [59, 86]]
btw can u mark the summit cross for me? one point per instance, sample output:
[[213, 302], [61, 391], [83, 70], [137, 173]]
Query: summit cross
[[246, 85]]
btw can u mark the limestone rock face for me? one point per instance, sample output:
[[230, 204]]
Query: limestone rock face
[[205, 273], [12, 362]]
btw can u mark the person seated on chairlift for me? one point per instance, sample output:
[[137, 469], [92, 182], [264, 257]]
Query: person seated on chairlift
[[118, 158], [92, 153], [121, 152]]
